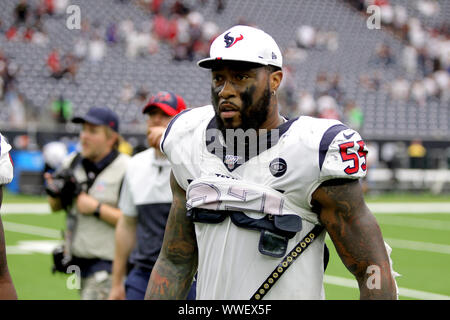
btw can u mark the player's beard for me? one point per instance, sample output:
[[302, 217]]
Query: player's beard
[[253, 113]]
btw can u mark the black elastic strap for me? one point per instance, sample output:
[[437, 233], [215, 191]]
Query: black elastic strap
[[287, 261]]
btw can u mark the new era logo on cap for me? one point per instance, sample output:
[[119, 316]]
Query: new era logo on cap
[[244, 43], [169, 102]]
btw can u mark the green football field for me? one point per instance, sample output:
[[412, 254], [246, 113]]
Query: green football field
[[416, 226]]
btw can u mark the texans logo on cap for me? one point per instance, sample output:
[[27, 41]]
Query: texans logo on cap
[[230, 41]]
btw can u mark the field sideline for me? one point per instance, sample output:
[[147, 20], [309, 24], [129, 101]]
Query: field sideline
[[415, 226]]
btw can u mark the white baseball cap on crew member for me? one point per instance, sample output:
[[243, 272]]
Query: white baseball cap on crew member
[[243, 43]]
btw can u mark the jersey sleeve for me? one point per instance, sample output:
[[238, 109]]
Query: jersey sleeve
[[342, 154], [6, 166], [171, 132], [126, 202]]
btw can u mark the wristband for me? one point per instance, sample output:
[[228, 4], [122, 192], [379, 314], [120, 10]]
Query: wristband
[[97, 211]]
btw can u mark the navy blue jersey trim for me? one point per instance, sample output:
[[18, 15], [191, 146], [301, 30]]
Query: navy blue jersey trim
[[327, 138], [170, 127]]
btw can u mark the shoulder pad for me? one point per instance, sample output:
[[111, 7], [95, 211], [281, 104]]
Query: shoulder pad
[[342, 153], [182, 124]]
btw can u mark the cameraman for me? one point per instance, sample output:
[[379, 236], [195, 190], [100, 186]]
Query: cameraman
[[89, 193]]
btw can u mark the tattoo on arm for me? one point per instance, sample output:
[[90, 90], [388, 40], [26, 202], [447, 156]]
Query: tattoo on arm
[[173, 272], [355, 234]]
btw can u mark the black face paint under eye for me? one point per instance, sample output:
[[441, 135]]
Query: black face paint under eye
[[215, 98], [254, 113]]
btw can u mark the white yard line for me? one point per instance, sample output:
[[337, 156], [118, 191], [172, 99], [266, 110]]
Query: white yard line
[[29, 229], [378, 208], [414, 222], [405, 292], [418, 245], [409, 208], [411, 245], [33, 246], [25, 208]]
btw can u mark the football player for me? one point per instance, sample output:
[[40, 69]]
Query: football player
[[7, 290], [253, 192]]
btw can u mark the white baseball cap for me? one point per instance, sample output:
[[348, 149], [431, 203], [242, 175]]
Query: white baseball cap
[[243, 43]]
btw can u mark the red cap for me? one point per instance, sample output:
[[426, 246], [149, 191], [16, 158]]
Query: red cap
[[170, 103]]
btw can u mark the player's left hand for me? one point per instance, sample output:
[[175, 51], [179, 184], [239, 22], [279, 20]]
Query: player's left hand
[[86, 204], [154, 135]]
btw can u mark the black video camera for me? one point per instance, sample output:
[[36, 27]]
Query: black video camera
[[60, 260], [65, 187]]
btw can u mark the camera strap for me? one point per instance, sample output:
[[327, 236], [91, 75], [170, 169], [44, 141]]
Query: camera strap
[[287, 261]]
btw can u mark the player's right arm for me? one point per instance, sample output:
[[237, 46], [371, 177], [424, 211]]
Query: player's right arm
[[125, 241], [175, 268]]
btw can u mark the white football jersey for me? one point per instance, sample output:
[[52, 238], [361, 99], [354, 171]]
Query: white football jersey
[[275, 175], [6, 168]]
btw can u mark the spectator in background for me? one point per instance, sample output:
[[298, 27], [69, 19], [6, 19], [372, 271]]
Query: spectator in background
[[419, 93], [80, 49], [399, 89], [40, 38], [49, 6], [306, 105], [389, 155], [17, 110], [431, 87], [127, 93], [141, 95], [21, 13], [11, 34], [111, 34], [54, 63], [70, 63], [353, 115], [409, 59], [442, 79], [305, 37], [322, 84], [384, 54], [60, 6], [417, 155], [96, 49], [327, 108], [62, 109], [335, 90], [370, 82]]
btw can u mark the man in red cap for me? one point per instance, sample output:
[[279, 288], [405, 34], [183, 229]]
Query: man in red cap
[[145, 201]]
